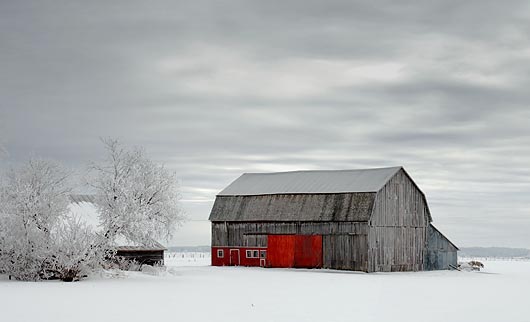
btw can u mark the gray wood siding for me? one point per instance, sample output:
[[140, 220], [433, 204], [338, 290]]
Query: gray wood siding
[[233, 234], [440, 253], [396, 237], [290, 207], [400, 203], [345, 252], [396, 249]]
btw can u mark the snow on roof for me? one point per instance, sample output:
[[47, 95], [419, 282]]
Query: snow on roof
[[319, 181]]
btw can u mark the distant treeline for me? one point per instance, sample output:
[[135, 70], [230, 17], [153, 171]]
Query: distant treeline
[[493, 252]]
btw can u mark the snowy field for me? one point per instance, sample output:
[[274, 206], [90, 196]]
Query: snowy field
[[187, 259], [190, 290]]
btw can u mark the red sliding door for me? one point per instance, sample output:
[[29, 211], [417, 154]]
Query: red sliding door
[[294, 251]]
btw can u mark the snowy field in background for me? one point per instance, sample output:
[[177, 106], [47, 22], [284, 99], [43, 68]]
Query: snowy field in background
[[190, 290], [187, 259]]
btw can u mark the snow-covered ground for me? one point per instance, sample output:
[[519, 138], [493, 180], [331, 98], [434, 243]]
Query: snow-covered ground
[[191, 290]]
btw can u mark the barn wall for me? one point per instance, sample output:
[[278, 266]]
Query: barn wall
[[345, 251], [221, 256], [396, 249], [344, 244], [440, 253], [396, 238], [254, 234]]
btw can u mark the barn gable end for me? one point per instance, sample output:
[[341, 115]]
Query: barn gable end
[[400, 203], [396, 237]]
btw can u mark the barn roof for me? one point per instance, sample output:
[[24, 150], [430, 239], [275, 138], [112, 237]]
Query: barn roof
[[328, 195], [294, 207], [310, 182]]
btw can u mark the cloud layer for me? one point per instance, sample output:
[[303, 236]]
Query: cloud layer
[[217, 88]]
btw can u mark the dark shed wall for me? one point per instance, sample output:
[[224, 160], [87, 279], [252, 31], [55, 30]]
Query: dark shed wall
[[294, 207], [440, 253], [396, 237], [147, 257]]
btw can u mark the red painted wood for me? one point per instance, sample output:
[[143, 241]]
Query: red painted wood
[[294, 251], [308, 251], [280, 250], [302, 251], [235, 257], [216, 259], [230, 258]]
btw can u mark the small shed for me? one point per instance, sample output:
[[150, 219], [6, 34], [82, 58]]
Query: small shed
[[366, 220], [143, 255]]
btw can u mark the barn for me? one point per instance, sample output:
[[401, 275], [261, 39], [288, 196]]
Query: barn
[[367, 220]]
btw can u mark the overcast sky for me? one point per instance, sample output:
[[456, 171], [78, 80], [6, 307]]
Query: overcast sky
[[217, 88]]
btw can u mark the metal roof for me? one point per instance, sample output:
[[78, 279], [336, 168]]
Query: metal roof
[[319, 181]]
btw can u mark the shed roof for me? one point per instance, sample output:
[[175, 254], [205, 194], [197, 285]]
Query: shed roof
[[310, 182]]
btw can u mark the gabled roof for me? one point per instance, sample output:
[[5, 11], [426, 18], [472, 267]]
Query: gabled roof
[[310, 182]]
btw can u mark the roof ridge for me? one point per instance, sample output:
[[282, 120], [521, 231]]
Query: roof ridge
[[326, 170], [311, 181]]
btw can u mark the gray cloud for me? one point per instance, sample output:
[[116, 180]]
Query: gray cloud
[[217, 88]]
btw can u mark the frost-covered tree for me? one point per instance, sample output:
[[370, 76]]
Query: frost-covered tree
[[34, 198], [137, 198], [37, 237], [75, 250]]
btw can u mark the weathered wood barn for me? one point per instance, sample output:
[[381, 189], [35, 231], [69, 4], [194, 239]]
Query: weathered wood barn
[[365, 220]]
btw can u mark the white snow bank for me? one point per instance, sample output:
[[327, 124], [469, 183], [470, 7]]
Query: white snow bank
[[203, 293]]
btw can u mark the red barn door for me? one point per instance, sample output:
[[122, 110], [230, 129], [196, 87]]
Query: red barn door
[[235, 257], [308, 251], [304, 251], [280, 250]]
